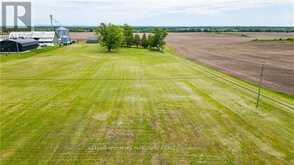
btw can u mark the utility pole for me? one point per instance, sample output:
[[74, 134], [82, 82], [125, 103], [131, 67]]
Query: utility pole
[[51, 22], [260, 84]]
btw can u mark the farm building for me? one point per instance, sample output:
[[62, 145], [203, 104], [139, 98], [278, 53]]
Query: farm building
[[62, 31], [63, 35], [44, 38], [18, 45], [4, 37], [92, 40]]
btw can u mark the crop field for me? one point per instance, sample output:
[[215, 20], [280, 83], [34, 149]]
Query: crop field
[[81, 36], [80, 105], [238, 54]]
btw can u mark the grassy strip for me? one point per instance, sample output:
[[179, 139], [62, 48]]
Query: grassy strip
[[291, 40]]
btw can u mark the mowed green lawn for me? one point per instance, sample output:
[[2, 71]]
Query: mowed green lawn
[[80, 105]]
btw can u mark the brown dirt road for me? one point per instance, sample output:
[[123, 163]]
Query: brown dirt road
[[241, 56]]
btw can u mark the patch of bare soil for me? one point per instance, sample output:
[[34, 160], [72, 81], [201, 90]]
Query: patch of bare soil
[[81, 36], [239, 55]]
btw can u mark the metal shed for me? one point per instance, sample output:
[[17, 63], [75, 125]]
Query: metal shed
[[92, 40], [18, 45]]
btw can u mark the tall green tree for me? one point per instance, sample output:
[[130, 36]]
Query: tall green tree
[[110, 36], [157, 40], [150, 41], [128, 36], [144, 41], [137, 40]]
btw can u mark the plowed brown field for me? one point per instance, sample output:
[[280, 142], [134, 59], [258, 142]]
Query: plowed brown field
[[241, 56]]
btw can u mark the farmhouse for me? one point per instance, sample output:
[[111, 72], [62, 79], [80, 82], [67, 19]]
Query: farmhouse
[[18, 45], [44, 38]]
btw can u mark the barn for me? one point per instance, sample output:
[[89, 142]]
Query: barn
[[18, 45]]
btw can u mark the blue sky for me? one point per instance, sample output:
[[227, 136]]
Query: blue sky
[[166, 12]]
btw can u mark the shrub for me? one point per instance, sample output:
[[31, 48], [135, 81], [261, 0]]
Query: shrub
[[290, 39]]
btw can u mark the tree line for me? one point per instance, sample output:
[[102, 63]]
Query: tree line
[[148, 29], [113, 36]]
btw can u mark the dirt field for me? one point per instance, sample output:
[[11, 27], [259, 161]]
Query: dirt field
[[241, 56], [81, 36]]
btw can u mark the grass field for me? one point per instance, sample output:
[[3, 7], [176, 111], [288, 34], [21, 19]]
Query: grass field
[[80, 105]]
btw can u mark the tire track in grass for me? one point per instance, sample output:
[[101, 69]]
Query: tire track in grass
[[155, 126], [89, 104], [141, 128], [247, 128], [249, 95], [71, 88], [81, 123], [149, 106], [21, 119], [177, 134], [34, 136], [221, 77], [279, 119], [158, 125], [38, 99], [224, 151], [110, 106], [89, 68], [75, 142], [95, 128], [36, 102], [102, 98], [116, 135], [188, 117], [95, 70], [144, 134]]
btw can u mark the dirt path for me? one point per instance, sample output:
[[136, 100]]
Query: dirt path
[[240, 56]]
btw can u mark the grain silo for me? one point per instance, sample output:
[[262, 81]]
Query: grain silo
[[63, 35]]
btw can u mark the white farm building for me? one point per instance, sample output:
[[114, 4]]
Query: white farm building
[[44, 38]]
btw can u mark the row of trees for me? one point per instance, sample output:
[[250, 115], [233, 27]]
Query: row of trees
[[113, 36]]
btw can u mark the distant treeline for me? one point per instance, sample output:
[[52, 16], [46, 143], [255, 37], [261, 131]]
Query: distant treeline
[[147, 29], [220, 29]]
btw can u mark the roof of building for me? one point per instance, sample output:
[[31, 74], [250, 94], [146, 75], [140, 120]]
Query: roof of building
[[23, 42], [39, 35], [92, 38], [44, 35], [62, 29]]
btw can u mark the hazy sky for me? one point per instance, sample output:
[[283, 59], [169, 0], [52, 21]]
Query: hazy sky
[[165, 12]]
